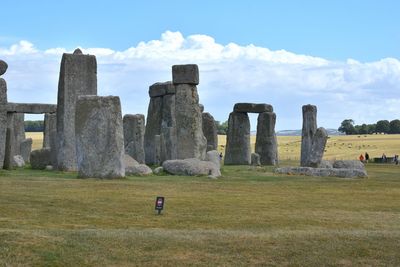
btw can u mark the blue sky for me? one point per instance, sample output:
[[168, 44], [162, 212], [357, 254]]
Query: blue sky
[[342, 56]]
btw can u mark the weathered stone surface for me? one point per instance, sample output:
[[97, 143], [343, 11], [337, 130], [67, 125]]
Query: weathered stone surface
[[161, 89], [99, 137], [3, 67], [50, 135], [3, 120], [308, 131], [134, 127], [266, 142], [9, 149], [78, 76], [168, 144], [255, 159], [140, 170], [213, 156], [19, 131], [190, 137], [238, 150], [129, 161], [40, 158], [50, 126], [317, 147], [168, 134], [309, 171], [31, 108], [210, 131], [25, 149], [49, 168], [325, 164], [153, 128], [191, 167], [349, 164], [252, 108], [157, 153], [201, 108], [18, 161], [185, 74]]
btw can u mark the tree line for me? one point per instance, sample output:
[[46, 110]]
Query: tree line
[[383, 126], [34, 126]]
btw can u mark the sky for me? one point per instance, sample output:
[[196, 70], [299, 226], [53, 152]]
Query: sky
[[342, 56]]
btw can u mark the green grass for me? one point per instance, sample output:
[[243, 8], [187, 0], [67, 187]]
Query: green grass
[[250, 216]]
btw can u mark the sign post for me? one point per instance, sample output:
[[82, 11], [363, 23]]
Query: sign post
[[159, 204]]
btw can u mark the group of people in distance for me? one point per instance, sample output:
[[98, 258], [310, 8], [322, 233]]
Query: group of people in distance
[[365, 159]]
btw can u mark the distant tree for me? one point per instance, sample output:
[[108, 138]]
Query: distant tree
[[34, 126], [347, 127], [371, 128], [395, 127], [383, 126], [363, 129], [222, 128]]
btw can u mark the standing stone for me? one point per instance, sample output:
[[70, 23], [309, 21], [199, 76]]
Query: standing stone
[[50, 136], [157, 150], [26, 148], [3, 119], [266, 142], [153, 128], [168, 140], [190, 137], [3, 67], [255, 159], [9, 151], [78, 76], [40, 158], [210, 131], [134, 136], [317, 148], [19, 131], [168, 143], [238, 151], [99, 137], [50, 124], [308, 131], [313, 140]]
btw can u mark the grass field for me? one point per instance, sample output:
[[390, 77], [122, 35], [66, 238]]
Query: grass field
[[338, 147], [248, 217]]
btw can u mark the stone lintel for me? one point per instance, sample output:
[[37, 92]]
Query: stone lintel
[[252, 108], [31, 108]]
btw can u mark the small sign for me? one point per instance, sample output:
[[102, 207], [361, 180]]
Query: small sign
[[159, 204]]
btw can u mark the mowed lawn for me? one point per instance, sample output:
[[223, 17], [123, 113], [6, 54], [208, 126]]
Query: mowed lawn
[[248, 217]]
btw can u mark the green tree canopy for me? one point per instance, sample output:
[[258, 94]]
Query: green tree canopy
[[383, 126], [395, 127], [347, 127]]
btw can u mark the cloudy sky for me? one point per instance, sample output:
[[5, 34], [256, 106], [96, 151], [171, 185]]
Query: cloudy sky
[[343, 56]]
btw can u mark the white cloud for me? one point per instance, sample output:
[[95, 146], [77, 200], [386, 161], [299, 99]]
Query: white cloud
[[229, 73]]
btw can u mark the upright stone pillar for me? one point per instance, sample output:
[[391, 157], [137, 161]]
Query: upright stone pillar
[[3, 112], [308, 131], [168, 138], [189, 128], [153, 128], [99, 137], [50, 136], [210, 131], [78, 76], [134, 136], [19, 131], [266, 142], [26, 148], [238, 151], [313, 140], [9, 150]]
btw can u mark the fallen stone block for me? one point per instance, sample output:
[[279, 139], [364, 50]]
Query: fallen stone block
[[191, 167]]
